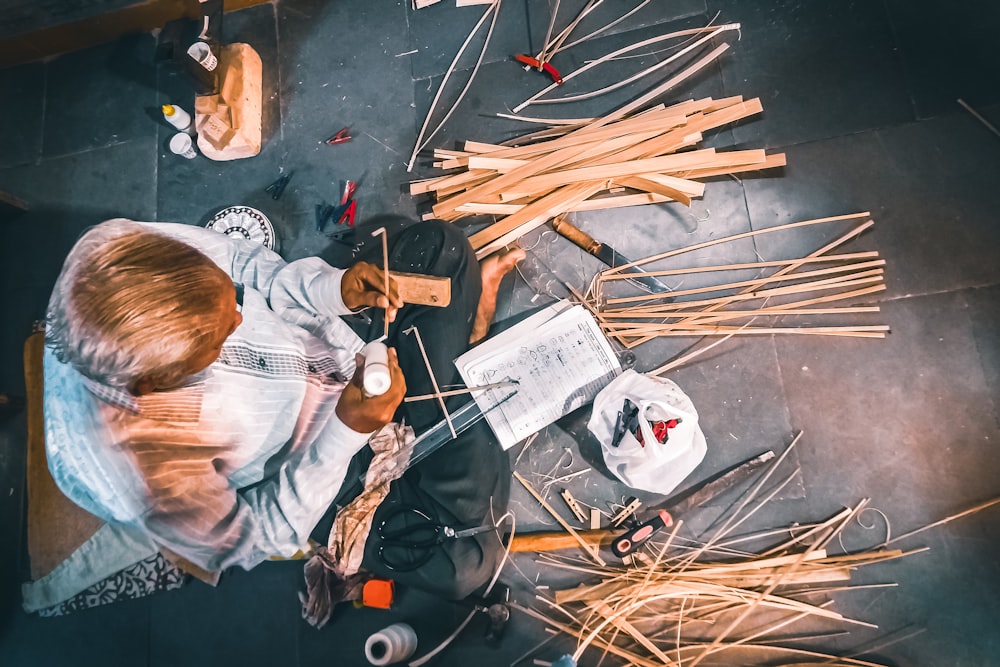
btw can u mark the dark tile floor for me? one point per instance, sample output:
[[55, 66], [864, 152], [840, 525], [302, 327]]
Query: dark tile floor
[[861, 96]]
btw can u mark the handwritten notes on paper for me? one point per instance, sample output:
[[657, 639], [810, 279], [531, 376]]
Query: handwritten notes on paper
[[560, 360]]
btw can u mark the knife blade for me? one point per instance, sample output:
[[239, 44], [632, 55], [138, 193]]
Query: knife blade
[[634, 538], [606, 254]]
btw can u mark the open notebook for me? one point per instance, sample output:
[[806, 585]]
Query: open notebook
[[560, 359]]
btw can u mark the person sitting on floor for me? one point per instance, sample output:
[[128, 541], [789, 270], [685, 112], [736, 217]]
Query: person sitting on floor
[[205, 395]]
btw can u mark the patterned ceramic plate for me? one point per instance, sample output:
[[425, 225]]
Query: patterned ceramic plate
[[244, 222]]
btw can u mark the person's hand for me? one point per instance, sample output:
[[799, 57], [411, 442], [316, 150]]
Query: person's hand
[[364, 413], [364, 285]]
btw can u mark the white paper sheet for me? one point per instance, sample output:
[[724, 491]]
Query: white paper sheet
[[560, 359]]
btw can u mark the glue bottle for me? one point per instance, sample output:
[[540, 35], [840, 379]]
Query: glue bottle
[[377, 379], [177, 117]]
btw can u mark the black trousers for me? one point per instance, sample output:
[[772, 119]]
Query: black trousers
[[465, 483]]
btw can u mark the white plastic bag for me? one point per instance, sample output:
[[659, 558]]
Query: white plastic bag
[[653, 466]]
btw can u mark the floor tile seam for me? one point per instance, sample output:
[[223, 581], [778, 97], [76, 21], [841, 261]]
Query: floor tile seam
[[277, 75], [901, 60], [953, 290], [114, 144]]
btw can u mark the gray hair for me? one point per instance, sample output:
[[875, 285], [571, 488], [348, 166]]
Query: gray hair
[[131, 303]]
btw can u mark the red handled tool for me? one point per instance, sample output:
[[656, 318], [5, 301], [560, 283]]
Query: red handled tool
[[342, 137], [540, 66], [625, 544]]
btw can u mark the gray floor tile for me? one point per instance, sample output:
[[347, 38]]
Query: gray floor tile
[[250, 618], [927, 456], [21, 142], [101, 96], [116, 634], [820, 72], [945, 55], [927, 189]]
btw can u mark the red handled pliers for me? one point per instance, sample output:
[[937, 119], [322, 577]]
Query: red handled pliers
[[540, 66], [342, 137]]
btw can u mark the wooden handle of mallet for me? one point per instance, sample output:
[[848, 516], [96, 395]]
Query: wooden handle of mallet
[[556, 540]]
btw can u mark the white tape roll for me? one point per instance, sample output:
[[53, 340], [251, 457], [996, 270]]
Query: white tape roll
[[392, 644], [377, 379]]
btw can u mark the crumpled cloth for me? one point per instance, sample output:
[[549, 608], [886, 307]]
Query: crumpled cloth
[[333, 574]]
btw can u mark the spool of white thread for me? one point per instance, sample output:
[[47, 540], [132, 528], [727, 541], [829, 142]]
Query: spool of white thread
[[392, 644], [377, 379]]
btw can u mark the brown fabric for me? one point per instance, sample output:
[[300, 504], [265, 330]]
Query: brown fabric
[[56, 526]]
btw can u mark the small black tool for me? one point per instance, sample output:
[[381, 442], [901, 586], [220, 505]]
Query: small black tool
[[278, 187]]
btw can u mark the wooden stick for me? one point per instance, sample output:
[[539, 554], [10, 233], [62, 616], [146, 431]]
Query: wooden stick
[[971, 510], [587, 548], [434, 383], [735, 237], [977, 116], [757, 282], [747, 265], [649, 70], [456, 392], [421, 141], [385, 271]]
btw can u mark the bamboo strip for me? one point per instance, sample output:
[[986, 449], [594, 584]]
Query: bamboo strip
[[867, 278], [562, 627], [844, 238], [638, 75], [667, 163], [649, 185], [587, 548], [756, 282], [631, 630], [770, 162], [871, 254], [537, 212], [735, 237], [421, 141]]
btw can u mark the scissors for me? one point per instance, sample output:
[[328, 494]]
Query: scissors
[[408, 537]]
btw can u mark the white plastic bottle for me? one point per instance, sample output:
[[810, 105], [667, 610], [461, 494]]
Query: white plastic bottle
[[177, 117], [377, 379]]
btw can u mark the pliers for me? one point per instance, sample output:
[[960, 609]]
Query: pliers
[[278, 187], [344, 213], [525, 59], [342, 137]]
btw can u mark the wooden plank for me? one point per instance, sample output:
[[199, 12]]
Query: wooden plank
[[678, 163], [423, 289], [771, 162], [531, 216], [649, 185]]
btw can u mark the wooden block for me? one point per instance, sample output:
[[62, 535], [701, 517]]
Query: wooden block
[[424, 290]]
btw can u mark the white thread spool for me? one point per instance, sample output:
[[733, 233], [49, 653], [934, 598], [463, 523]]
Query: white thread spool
[[181, 144], [392, 644], [202, 53], [377, 379]]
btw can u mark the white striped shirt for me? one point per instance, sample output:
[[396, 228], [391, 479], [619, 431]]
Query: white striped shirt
[[242, 462]]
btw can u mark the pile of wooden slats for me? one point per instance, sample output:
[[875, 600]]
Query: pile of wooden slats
[[821, 285], [616, 160]]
